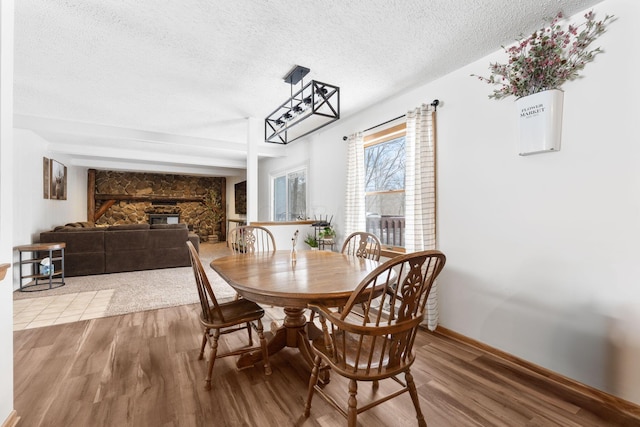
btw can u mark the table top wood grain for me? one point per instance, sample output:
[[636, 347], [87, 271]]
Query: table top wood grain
[[316, 276]]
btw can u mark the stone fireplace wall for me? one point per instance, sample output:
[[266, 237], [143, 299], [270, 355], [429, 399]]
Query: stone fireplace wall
[[147, 193]]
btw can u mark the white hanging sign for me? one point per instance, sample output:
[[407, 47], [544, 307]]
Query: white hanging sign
[[540, 122]]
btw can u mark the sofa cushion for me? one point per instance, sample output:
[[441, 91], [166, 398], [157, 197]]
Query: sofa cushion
[[78, 240], [126, 250], [83, 264], [172, 238], [66, 229], [125, 240], [129, 227], [169, 226]]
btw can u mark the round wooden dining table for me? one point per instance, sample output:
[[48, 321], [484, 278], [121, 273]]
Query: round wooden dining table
[[279, 279]]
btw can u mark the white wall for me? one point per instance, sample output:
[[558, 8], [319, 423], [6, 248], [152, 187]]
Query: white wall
[[283, 235], [300, 152], [42, 214], [6, 203], [542, 250]]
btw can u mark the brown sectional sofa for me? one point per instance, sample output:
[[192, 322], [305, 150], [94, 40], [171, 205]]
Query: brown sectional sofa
[[120, 248]]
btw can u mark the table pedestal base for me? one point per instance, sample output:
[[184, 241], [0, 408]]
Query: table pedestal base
[[295, 332]]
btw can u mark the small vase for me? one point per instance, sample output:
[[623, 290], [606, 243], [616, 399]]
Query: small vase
[[540, 121]]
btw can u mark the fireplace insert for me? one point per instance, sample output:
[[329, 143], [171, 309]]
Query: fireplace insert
[[164, 219]]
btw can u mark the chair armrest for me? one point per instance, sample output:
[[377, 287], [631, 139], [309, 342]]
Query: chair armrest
[[392, 327]]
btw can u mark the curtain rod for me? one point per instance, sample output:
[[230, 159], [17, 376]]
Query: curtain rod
[[383, 123], [434, 104]]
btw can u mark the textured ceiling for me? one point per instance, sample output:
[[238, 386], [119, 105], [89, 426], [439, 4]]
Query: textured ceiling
[[168, 86]]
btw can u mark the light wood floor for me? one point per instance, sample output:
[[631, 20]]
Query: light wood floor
[[141, 369]]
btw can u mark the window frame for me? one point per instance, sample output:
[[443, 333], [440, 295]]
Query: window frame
[[286, 172], [385, 135]]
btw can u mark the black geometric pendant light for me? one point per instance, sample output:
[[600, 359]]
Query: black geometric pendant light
[[310, 108]]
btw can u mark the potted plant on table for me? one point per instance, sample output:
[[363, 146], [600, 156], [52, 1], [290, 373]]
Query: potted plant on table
[[537, 67]]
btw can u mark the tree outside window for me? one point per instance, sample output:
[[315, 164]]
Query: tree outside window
[[384, 156]]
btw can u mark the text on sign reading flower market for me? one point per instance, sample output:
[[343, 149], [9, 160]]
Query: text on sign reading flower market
[[534, 110]]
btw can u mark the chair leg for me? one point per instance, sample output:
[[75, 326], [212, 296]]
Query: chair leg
[[214, 353], [328, 344], [249, 332], [263, 346], [313, 380], [204, 343], [414, 397], [352, 411]]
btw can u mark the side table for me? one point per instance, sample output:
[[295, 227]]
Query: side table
[[326, 243], [39, 251]]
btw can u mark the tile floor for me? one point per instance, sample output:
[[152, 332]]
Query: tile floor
[[53, 310]]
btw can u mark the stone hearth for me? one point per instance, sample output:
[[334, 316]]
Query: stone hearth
[[137, 195]]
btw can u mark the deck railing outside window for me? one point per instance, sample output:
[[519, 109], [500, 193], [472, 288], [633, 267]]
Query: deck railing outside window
[[389, 229]]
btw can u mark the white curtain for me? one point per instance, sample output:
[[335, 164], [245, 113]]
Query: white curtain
[[355, 219], [420, 208]]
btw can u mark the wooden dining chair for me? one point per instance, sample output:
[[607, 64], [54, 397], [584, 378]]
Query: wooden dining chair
[[379, 345], [222, 318], [251, 239], [360, 244], [363, 245]]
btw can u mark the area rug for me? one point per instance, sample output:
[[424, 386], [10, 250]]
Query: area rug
[[146, 290]]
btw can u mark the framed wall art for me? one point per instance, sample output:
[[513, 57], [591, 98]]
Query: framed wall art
[[58, 189], [241, 197], [46, 185]]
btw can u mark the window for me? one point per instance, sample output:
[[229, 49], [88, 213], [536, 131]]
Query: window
[[384, 157], [289, 195]]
